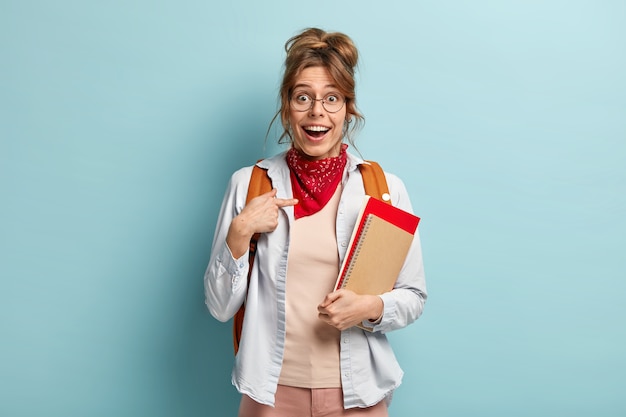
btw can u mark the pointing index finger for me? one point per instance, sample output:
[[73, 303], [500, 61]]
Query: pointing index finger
[[284, 202]]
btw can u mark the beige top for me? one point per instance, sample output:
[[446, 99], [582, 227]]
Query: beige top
[[311, 357]]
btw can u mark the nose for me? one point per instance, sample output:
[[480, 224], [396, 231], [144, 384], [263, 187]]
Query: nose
[[317, 108]]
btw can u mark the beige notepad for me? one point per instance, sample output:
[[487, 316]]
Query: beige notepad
[[376, 257]]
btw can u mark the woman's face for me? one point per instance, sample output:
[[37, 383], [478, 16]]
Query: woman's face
[[316, 132]]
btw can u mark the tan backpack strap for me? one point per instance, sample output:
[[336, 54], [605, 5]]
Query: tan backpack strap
[[260, 183], [374, 181]]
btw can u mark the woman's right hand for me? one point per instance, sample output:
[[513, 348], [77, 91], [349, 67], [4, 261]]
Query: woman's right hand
[[260, 215]]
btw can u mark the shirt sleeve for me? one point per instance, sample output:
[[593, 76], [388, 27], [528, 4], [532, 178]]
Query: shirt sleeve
[[405, 303], [225, 278]]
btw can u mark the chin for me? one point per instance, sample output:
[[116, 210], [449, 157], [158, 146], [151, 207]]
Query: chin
[[319, 151]]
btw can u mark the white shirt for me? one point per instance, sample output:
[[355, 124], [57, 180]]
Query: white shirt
[[369, 370]]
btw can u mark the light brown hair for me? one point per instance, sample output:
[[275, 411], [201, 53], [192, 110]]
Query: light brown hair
[[333, 51]]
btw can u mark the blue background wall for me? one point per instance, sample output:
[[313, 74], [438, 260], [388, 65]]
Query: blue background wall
[[122, 120]]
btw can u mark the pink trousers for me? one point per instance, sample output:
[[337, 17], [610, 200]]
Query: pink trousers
[[304, 402]]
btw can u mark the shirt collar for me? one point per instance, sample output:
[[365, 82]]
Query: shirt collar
[[279, 160]]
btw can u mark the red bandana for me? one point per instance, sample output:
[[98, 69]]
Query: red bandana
[[314, 182]]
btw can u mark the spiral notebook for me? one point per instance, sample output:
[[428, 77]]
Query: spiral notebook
[[378, 248]]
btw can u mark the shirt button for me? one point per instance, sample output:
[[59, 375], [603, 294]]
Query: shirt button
[[344, 244], [345, 340]]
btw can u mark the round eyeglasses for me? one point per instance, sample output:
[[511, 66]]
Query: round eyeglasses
[[332, 103]]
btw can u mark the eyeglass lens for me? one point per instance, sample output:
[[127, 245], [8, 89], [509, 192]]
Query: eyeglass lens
[[332, 103]]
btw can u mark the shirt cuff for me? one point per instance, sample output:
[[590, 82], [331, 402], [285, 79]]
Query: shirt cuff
[[236, 268], [370, 324]]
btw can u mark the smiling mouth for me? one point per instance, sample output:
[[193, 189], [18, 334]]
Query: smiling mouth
[[316, 132]]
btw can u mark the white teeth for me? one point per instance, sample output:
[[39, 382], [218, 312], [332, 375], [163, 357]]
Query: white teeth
[[317, 128]]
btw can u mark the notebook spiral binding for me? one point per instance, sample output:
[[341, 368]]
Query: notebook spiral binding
[[355, 254]]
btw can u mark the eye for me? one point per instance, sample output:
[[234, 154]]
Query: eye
[[331, 98], [302, 98]]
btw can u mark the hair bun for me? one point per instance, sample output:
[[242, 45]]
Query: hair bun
[[344, 47], [315, 39]]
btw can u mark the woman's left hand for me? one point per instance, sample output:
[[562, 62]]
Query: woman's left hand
[[343, 309]]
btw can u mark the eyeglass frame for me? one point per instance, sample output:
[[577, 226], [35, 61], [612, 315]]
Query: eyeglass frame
[[313, 100]]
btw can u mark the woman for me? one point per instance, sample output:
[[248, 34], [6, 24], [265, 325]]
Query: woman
[[300, 353]]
